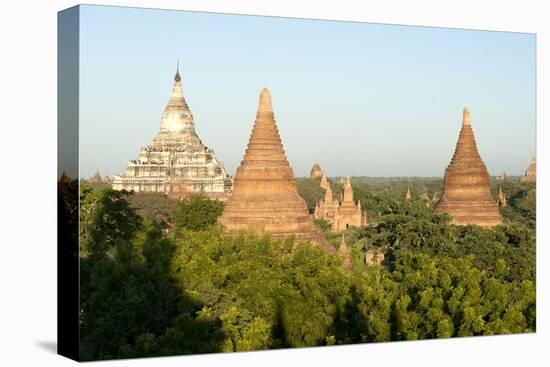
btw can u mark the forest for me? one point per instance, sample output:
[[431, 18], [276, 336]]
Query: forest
[[160, 277]]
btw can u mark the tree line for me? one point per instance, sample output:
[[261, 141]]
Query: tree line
[[160, 277]]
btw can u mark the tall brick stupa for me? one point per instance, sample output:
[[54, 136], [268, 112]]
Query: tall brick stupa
[[265, 197], [466, 193]]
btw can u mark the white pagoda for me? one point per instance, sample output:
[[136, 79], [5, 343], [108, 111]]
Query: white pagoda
[[176, 162]]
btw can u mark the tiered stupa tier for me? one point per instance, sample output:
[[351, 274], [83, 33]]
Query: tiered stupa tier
[[265, 197], [176, 163], [466, 193]]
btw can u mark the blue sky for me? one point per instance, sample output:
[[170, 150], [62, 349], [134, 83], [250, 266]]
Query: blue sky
[[362, 99]]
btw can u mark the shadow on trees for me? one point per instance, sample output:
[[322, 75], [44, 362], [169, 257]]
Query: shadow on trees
[[350, 323], [278, 332], [67, 269], [129, 304]]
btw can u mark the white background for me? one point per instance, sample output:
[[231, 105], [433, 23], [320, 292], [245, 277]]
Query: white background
[[28, 176]]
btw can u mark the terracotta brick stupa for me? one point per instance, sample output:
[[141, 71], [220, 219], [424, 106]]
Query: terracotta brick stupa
[[265, 197], [466, 193]]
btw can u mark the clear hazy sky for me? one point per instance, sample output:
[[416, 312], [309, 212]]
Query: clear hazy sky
[[362, 99]]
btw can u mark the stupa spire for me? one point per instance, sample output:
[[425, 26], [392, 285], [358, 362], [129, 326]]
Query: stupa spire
[[466, 116], [348, 190], [177, 121], [466, 193], [329, 195], [265, 101], [265, 143]]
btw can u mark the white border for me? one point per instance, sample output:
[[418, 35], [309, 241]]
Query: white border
[[28, 131]]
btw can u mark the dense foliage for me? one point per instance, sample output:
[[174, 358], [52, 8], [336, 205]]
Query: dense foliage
[[149, 289], [522, 202], [197, 213], [154, 207], [411, 227], [310, 191]]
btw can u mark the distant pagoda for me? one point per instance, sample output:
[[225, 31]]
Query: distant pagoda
[[531, 172], [316, 171], [176, 163], [466, 193], [96, 178], [265, 197], [327, 208], [341, 215], [501, 201]]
